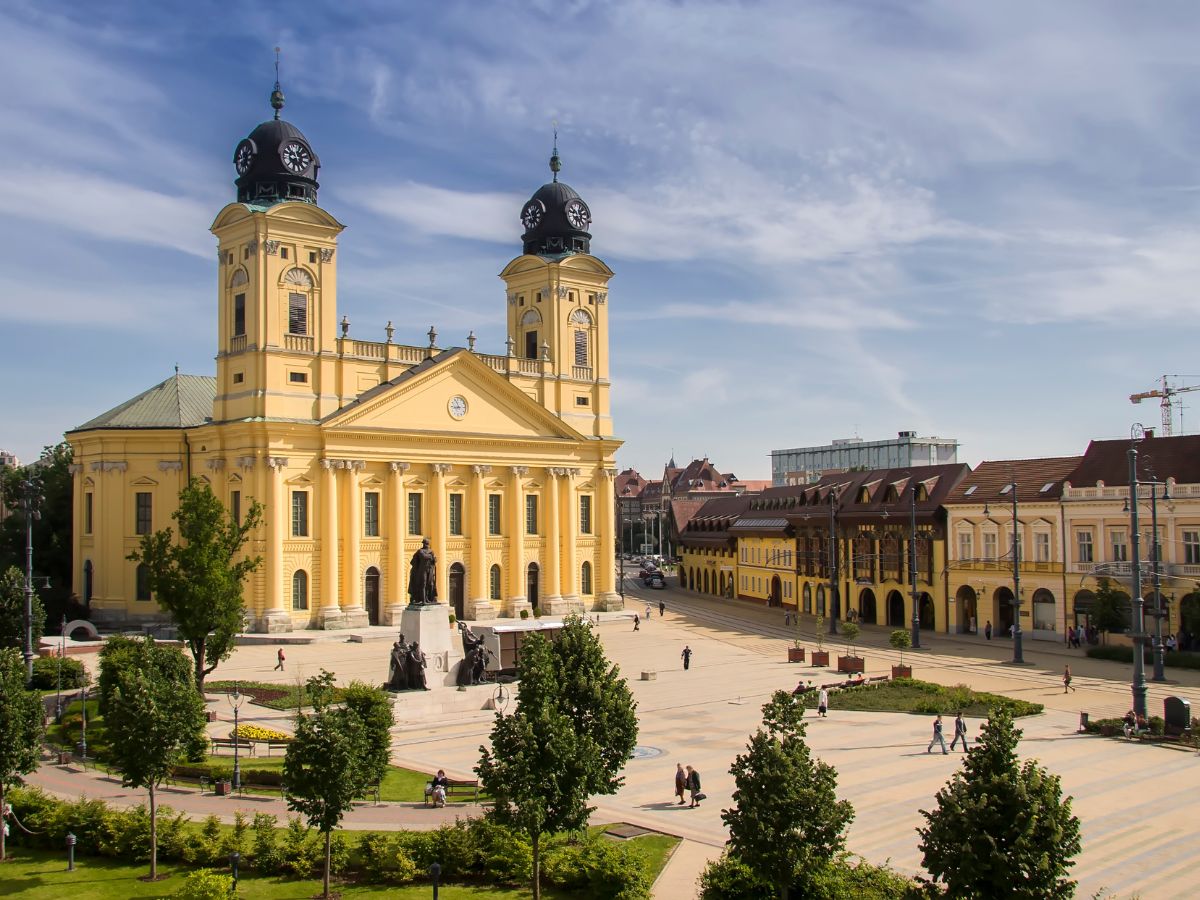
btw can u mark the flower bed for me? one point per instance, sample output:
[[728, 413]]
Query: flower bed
[[258, 733]]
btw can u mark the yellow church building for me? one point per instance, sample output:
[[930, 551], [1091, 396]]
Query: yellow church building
[[359, 450]]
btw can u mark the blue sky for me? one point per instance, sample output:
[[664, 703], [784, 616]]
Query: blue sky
[[968, 219]]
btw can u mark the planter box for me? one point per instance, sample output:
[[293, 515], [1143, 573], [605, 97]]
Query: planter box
[[65, 757], [210, 715], [902, 671], [1108, 730], [795, 654], [820, 659], [221, 788], [851, 664]]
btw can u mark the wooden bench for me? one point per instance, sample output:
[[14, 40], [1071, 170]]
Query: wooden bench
[[454, 788], [274, 745], [230, 744], [372, 792]]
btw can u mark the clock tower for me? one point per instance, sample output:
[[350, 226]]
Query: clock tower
[[557, 296]]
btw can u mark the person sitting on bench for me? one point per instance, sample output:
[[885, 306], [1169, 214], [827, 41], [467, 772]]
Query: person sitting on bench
[[438, 787]]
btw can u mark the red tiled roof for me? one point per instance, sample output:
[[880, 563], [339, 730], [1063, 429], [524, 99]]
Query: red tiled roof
[[1036, 479], [1161, 458]]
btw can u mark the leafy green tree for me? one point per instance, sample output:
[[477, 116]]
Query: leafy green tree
[[1110, 608], [151, 721], [539, 766], [51, 533], [122, 654], [20, 726], [786, 821], [597, 700], [1001, 828], [373, 709], [12, 610], [199, 580], [322, 771]]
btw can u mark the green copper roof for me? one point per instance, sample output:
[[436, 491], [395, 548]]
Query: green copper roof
[[182, 401]]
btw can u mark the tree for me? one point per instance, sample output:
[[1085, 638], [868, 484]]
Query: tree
[[152, 720], [786, 820], [1110, 608], [1001, 828], [122, 654], [198, 580], [321, 770], [539, 766], [12, 610], [21, 717], [597, 700], [901, 640], [850, 631], [52, 532], [373, 709]]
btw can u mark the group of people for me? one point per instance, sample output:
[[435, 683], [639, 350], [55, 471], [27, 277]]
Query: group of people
[[637, 619], [960, 734], [1135, 725], [406, 668], [688, 782], [1078, 634]]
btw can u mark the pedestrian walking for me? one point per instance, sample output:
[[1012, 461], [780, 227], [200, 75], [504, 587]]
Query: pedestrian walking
[[1067, 679], [960, 732], [647, 612], [662, 608], [937, 737], [987, 630], [687, 657], [279, 660], [693, 785], [680, 782], [637, 622], [823, 702]]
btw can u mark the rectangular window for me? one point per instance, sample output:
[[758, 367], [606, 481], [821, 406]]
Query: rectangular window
[[235, 506], [1191, 548], [299, 513], [989, 546], [531, 345], [1083, 541], [144, 517], [87, 512], [493, 513], [456, 510], [238, 377], [142, 588], [298, 377], [1041, 547], [585, 515], [582, 401], [1120, 545], [312, 257], [239, 315], [531, 514], [964, 546], [581, 348], [371, 514], [414, 514], [298, 313], [283, 252]]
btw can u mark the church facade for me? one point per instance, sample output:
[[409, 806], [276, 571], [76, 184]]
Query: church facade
[[360, 450]]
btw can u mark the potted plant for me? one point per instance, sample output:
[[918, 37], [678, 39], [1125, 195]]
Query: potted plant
[[820, 656], [221, 783], [796, 652], [901, 640], [851, 663]]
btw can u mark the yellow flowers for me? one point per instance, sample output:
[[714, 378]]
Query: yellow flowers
[[258, 733]]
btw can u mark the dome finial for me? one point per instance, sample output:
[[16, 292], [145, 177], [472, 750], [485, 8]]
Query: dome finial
[[277, 93], [555, 162]]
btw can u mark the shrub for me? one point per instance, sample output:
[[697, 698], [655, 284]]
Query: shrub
[[301, 851], [45, 672], [376, 856], [729, 878], [205, 847], [454, 847], [504, 856], [205, 884], [265, 848], [524, 614], [339, 853]]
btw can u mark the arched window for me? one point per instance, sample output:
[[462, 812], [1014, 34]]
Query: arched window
[[585, 578], [581, 337], [300, 589], [143, 583], [530, 321], [494, 583]]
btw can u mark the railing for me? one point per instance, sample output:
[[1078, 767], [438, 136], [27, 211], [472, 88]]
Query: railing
[[407, 354], [529, 366], [1003, 565], [369, 349], [495, 363], [237, 343], [301, 342], [581, 373]]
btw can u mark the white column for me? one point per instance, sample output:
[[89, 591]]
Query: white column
[[396, 584], [438, 526], [480, 605], [552, 601], [517, 600], [352, 577], [277, 615], [606, 521], [330, 615]]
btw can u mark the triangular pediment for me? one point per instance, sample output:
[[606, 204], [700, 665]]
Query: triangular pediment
[[453, 393]]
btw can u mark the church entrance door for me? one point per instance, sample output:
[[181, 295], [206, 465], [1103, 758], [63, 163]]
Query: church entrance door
[[371, 595], [457, 578]]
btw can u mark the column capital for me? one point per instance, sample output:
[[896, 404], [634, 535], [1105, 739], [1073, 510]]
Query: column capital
[[606, 472], [520, 470], [245, 462], [481, 470], [354, 465], [109, 466], [170, 465], [556, 471], [215, 465], [329, 464], [276, 462], [441, 468], [75, 468], [399, 467]]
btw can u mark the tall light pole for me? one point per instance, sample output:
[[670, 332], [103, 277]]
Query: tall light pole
[[30, 503], [235, 700], [1136, 619], [834, 579], [912, 564], [1156, 571], [62, 652]]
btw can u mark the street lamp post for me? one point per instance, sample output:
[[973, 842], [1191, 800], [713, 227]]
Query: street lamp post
[[30, 501], [834, 606], [1156, 574], [912, 565], [235, 700], [1018, 650], [1136, 618], [83, 722], [62, 652]]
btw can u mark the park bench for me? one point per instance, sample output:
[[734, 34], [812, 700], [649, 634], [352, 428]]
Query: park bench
[[454, 788], [274, 745], [371, 792], [230, 744]]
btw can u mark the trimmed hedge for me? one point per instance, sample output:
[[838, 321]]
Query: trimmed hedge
[[923, 697], [45, 673], [1172, 658]]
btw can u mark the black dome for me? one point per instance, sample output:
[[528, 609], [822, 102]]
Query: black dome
[[276, 162], [556, 219]]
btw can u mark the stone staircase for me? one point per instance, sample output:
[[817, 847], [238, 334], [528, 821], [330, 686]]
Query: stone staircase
[[445, 704]]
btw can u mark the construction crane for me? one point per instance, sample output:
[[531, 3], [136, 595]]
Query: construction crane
[[1165, 393]]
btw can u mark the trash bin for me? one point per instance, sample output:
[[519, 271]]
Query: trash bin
[[1083, 721], [1177, 715]]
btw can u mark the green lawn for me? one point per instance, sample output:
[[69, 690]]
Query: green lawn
[[922, 697]]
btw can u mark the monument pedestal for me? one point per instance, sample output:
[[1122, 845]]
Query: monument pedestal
[[429, 626]]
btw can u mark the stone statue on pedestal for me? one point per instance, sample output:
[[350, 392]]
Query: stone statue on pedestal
[[422, 576], [416, 668], [474, 661], [398, 666]]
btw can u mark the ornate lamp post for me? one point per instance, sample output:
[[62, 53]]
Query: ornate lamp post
[[1156, 571], [236, 699], [1136, 619], [912, 564], [30, 501], [83, 723], [1018, 648]]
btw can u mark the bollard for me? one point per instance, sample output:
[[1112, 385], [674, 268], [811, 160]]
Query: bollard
[[435, 872], [1083, 721], [70, 852], [234, 858]]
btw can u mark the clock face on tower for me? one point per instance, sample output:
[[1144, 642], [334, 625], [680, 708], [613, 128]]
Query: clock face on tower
[[243, 157], [457, 406], [531, 215], [296, 157], [578, 215]]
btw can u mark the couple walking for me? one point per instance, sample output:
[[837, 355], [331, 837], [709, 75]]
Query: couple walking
[[688, 781], [960, 734]]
